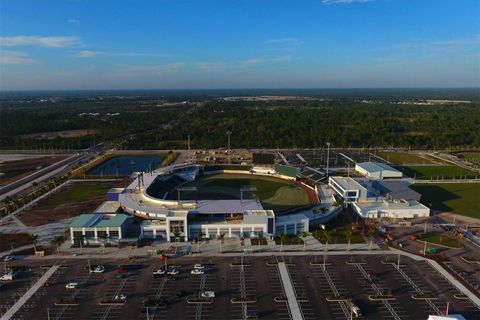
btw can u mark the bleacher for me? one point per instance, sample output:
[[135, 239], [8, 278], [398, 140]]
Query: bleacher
[[163, 185], [311, 174]]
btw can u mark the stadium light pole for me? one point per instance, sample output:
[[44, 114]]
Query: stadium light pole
[[189, 153], [328, 157], [229, 133]]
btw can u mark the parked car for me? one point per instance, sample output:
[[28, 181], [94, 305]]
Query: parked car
[[121, 270], [173, 272], [159, 272], [98, 269], [120, 275], [120, 297], [71, 285], [9, 258], [208, 294], [413, 238], [9, 276], [197, 271], [198, 266]]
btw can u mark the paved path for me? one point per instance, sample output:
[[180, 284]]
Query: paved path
[[9, 314], [293, 306]]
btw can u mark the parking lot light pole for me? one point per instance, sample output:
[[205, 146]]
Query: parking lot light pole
[[48, 313]]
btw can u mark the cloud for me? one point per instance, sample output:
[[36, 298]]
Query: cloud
[[37, 41], [287, 41], [250, 62], [73, 21], [15, 57], [211, 65], [135, 70], [329, 2], [92, 54]]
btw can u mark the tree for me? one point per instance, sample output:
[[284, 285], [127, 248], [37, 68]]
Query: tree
[[33, 239], [304, 236], [283, 238], [104, 237], [58, 240], [221, 237]]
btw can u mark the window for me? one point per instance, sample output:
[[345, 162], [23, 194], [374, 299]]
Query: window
[[89, 234], [114, 234]]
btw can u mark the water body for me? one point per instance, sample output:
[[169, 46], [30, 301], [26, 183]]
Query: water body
[[125, 165]]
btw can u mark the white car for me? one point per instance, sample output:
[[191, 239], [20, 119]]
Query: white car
[[173, 272], [9, 276], [198, 266], [208, 294], [121, 297], [98, 269], [71, 285], [159, 272], [197, 271], [9, 258]]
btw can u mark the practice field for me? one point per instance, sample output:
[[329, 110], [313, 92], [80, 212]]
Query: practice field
[[402, 158], [459, 198], [437, 172], [274, 194]]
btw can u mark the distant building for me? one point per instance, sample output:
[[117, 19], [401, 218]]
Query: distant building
[[398, 209], [447, 317], [377, 170]]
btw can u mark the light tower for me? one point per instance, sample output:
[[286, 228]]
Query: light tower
[[328, 157], [229, 133]]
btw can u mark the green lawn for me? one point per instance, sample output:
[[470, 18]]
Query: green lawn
[[78, 192], [437, 172], [475, 156], [338, 235], [258, 242], [403, 157], [289, 240], [436, 238], [227, 167], [460, 198]]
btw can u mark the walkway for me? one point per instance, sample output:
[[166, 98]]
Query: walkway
[[293, 306], [9, 314]]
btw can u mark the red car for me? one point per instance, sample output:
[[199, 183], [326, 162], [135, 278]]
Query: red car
[[122, 270], [413, 238]]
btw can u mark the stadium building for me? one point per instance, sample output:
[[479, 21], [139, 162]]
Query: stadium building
[[377, 170]]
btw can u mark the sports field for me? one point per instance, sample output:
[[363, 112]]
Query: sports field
[[459, 198], [437, 172], [403, 157], [275, 194]]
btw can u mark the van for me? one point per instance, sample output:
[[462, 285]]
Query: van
[[8, 276]]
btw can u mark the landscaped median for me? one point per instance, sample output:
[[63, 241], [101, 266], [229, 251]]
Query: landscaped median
[[435, 238]]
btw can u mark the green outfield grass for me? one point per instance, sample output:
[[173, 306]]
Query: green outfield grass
[[403, 157], [459, 198], [273, 193], [437, 172], [78, 192]]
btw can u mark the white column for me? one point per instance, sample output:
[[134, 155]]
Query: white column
[[185, 230], [218, 232], [168, 230], [295, 228], [95, 233], [119, 233], [71, 235], [230, 232]]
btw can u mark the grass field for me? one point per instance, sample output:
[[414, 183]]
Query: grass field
[[433, 237], [403, 157], [437, 172], [460, 198], [274, 194], [78, 192], [475, 156]]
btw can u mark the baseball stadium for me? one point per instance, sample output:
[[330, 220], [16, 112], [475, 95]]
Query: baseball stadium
[[188, 201]]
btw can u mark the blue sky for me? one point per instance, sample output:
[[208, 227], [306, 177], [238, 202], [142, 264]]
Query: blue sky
[[166, 44]]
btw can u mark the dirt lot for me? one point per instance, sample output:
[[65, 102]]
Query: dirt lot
[[17, 169], [19, 239], [62, 205]]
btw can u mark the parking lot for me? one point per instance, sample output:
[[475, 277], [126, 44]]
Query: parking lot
[[250, 290]]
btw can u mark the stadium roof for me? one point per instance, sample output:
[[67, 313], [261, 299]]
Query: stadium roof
[[227, 206], [375, 166], [92, 220], [396, 189]]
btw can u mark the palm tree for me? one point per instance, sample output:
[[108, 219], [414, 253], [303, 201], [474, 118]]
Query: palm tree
[[58, 240], [304, 236], [104, 237], [33, 239], [221, 236], [34, 185], [371, 232], [283, 237], [323, 210], [314, 211]]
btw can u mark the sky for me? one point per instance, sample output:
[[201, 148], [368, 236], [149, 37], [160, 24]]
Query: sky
[[208, 44]]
